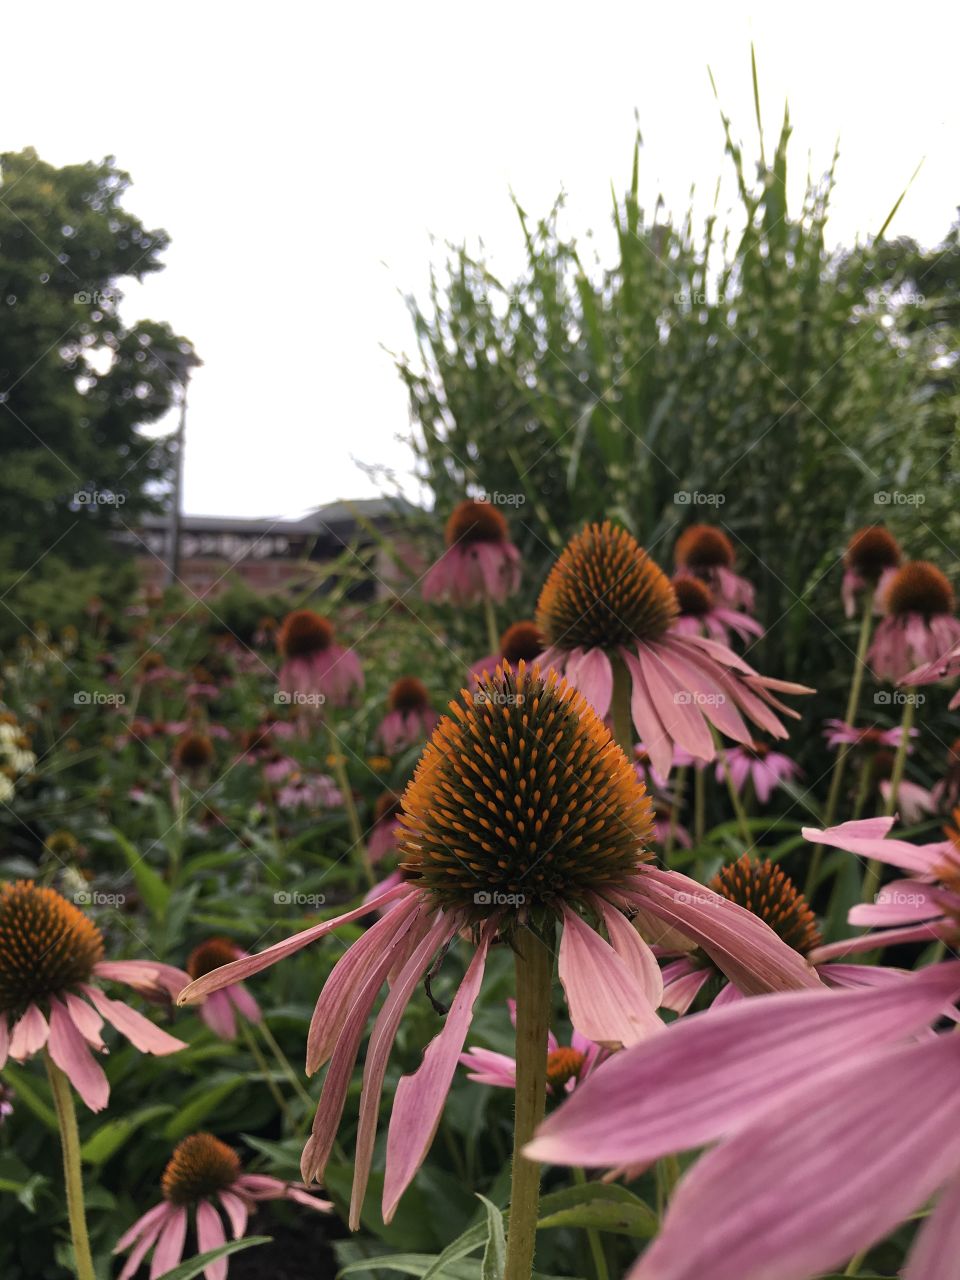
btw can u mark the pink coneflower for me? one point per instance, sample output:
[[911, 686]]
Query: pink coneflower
[[604, 601], [701, 615], [51, 956], [521, 642], [839, 733], [913, 801], [309, 791], [765, 769], [706, 552], [837, 1117], [385, 832], [192, 755], [871, 557], [480, 562], [918, 624], [766, 890], [203, 1179], [219, 1010], [666, 830], [567, 1065], [314, 665], [523, 817], [923, 907], [410, 716]]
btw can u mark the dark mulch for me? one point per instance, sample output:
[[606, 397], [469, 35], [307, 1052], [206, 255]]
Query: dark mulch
[[298, 1252]]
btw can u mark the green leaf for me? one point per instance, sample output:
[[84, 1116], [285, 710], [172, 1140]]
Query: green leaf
[[196, 1111], [495, 1254], [607, 1207], [111, 1136], [152, 889], [27, 1094], [193, 1266], [417, 1264]]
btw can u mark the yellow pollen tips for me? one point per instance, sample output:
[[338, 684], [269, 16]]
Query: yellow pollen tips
[[201, 1165], [604, 591], [47, 945], [764, 889], [522, 799]]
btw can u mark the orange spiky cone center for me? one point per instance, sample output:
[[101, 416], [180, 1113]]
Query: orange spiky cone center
[[201, 1165], [47, 945], [766, 890]]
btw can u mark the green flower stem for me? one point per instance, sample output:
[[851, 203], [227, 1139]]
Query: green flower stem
[[493, 633], [620, 712], [285, 1066], [872, 878], [72, 1175], [735, 799], [593, 1235], [266, 1072], [358, 844], [534, 974], [699, 804], [850, 715], [679, 793]]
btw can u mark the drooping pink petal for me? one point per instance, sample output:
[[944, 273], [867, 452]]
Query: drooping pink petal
[[634, 952], [217, 1012], [87, 1021], [656, 738], [678, 708], [680, 993], [142, 1225], [697, 674], [72, 1055], [308, 1198], [170, 1243], [936, 1248], [929, 931], [853, 837], [803, 1188], [29, 1034], [739, 943], [148, 977], [419, 1098], [235, 1208], [210, 1235], [147, 1234], [607, 1001], [243, 1002], [378, 1053], [485, 1066], [593, 676], [4, 1040], [899, 902], [237, 970], [711, 1073], [140, 1031]]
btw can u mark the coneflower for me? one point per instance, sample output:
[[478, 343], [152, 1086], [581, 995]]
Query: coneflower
[[409, 717], [607, 612], [480, 563], [219, 1010], [702, 615], [203, 1180], [567, 1064], [192, 754], [918, 626], [872, 555], [521, 642], [706, 552], [314, 666], [758, 764], [523, 819]]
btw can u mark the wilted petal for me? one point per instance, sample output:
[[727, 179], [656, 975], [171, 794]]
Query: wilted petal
[[607, 1002], [71, 1053], [210, 1235]]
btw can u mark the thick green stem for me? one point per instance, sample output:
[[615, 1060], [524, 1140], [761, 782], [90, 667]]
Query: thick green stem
[[872, 878], [534, 972], [843, 751], [620, 713], [593, 1235], [72, 1175], [357, 842], [493, 634]]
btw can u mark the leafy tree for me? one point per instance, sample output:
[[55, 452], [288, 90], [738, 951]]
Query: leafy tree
[[76, 384]]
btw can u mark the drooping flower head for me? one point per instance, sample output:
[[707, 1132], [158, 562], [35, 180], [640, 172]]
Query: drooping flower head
[[605, 599], [701, 614], [480, 561], [204, 1180], [706, 552], [872, 555], [219, 1010], [523, 814], [409, 717], [315, 667], [521, 642], [918, 624], [763, 767], [51, 960]]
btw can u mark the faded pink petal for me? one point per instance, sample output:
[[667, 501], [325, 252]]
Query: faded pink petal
[[608, 1003], [217, 1012], [87, 1021], [210, 1235], [665, 1094], [243, 1002], [634, 952], [72, 1055], [419, 1098], [29, 1034], [169, 1248], [148, 977], [866, 839], [485, 1066], [936, 1247], [593, 676], [236, 1210], [780, 1202], [147, 1232], [930, 931], [140, 1031]]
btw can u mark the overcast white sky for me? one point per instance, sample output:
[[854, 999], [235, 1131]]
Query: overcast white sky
[[301, 156]]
